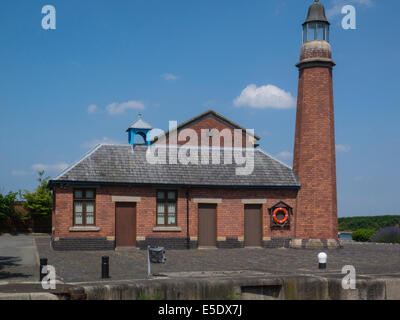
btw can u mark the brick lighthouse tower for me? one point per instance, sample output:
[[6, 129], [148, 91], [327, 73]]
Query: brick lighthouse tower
[[314, 153]]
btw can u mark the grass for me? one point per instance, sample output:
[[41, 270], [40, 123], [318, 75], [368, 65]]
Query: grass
[[154, 296]]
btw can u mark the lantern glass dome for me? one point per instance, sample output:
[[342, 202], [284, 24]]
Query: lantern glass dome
[[315, 31]]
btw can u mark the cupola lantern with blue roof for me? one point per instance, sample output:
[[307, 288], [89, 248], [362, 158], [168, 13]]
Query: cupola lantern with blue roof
[[139, 128], [316, 26]]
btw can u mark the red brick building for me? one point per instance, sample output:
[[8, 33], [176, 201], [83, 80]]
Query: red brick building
[[227, 193]]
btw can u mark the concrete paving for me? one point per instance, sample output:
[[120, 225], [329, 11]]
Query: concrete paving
[[18, 258], [199, 274], [131, 264]]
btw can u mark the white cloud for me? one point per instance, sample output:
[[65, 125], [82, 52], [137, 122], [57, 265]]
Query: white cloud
[[50, 167], [336, 8], [342, 148], [92, 108], [53, 168], [265, 133], [19, 173], [120, 108], [284, 155], [105, 140], [263, 97], [169, 77]]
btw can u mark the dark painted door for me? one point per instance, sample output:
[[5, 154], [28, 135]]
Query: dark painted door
[[125, 224], [253, 226], [207, 225]]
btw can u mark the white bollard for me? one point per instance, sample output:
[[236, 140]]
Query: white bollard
[[322, 259]]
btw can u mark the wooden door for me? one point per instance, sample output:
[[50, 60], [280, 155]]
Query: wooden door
[[207, 225], [125, 224], [253, 225]]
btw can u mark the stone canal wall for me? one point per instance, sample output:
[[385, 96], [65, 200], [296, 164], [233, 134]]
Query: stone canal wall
[[245, 288]]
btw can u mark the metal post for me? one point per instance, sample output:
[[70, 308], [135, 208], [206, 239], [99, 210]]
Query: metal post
[[148, 262], [187, 220], [43, 262], [105, 267]]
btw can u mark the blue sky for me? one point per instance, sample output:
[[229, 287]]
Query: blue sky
[[63, 91]]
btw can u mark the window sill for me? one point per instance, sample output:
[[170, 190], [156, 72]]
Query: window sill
[[167, 229], [84, 229]]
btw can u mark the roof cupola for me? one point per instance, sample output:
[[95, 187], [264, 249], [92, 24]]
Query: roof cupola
[[139, 128]]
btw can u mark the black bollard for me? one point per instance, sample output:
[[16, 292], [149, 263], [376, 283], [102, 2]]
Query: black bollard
[[43, 262], [105, 267]]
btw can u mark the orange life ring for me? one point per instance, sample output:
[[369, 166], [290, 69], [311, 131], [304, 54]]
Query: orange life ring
[[284, 219]]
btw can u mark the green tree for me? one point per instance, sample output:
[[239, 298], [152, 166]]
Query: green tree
[[7, 205], [372, 222], [40, 202], [363, 235]]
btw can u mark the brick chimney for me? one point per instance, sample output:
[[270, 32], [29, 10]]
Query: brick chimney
[[314, 153]]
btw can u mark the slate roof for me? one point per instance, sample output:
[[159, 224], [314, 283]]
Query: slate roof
[[123, 164], [140, 124]]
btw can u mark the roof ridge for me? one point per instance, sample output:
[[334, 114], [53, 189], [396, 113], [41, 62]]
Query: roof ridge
[[86, 155], [291, 168], [199, 147], [210, 111], [116, 144], [272, 157]]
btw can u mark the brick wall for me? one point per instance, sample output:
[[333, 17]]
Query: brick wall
[[210, 123], [314, 154], [230, 213]]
